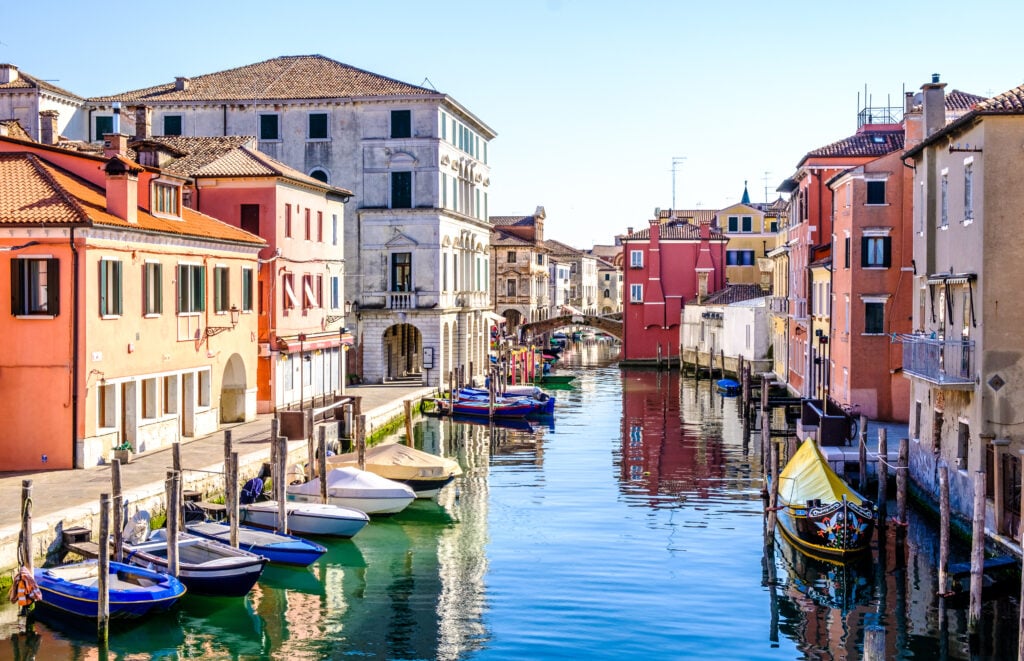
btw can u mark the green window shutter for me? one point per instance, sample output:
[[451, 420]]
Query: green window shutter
[[172, 125], [159, 276], [16, 287], [182, 289], [268, 127], [103, 287], [117, 288], [200, 289], [104, 125], [53, 286]]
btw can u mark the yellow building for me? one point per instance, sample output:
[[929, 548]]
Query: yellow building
[[752, 230], [818, 367]]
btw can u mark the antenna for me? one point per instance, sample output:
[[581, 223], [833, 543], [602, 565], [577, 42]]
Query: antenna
[[426, 81], [677, 162], [765, 180]]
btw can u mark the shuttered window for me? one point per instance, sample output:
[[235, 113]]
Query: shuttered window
[[152, 288], [191, 288], [35, 287], [110, 288]]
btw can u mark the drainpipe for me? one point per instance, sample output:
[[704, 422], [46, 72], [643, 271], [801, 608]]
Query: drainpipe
[[74, 351]]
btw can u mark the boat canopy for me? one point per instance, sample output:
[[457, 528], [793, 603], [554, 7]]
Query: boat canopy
[[399, 462], [808, 476]]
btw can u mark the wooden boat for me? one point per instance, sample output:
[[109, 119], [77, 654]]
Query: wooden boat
[[728, 386], [359, 489], [818, 511], [275, 547], [833, 583], [425, 473], [555, 379], [134, 591], [503, 408], [543, 403], [317, 519], [205, 566]]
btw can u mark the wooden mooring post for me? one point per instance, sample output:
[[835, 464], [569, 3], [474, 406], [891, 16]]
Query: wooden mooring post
[[103, 576], [773, 502], [882, 470], [172, 490], [874, 642], [25, 541], [321, 466], [231, 478], [862, 446], [944, 530], [117, 513], [766, 424], [902, 467], [745, 375], [281, 484], [977, 553], [361, 441]]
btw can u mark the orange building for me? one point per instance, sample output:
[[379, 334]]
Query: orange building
[[132, 316]]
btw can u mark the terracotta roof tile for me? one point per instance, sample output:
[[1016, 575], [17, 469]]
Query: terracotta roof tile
[[14, 129], [962, 101], [735, 294], [1009, 102], [679, 230], [25, 81], [38, 192], [693, 216], [287, 77], [507, 239], [868, 143]]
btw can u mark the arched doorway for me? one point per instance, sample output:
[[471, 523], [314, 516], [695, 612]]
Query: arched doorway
[[232, 390], [403, 352]]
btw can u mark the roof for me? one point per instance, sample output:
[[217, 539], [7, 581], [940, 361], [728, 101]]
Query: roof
[[501, 238], [962, 101], [227, 156], [26, 82], [734, 294], [559, 248], [679, 230], [14, 129], [1010, 102], [513, 220], [692, 215], [866, 143], [36, 192], [286, 77]]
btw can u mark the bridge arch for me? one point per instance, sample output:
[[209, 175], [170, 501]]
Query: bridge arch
[[607, 324]]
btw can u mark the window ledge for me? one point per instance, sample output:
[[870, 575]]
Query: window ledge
[[315, 140], [874, 335], [943, 228], [110, 316], [152, 315], [876, 204], [35, 316], [967, 221], [875, 268]]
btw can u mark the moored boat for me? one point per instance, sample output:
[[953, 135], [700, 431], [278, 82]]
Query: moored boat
[[317, 519], [275, 547], [133, 591], [728, 386], [818, 510], [542, 402], [348, 486], [425, 473], [502, 408], [205, 566]]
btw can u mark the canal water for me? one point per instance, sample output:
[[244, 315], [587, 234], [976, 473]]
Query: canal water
[[629, 526]]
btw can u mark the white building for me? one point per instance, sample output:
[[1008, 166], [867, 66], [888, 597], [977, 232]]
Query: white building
[[416, 231], [733, 322]]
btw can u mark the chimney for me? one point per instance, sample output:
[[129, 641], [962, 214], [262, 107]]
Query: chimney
[[934, 102], [912, 122], [123, 188], [48, 132], [181, 84], [629, 230], [143, 123], [705, 228], [8, 73], [115, 144]]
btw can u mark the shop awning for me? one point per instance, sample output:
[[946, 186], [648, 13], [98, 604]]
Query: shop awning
[[314, 342], [496, 318]]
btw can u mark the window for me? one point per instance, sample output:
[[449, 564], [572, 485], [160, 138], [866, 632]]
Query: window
[[172, 124], [607, 293], [165, 198], [320, 226], [288, 220], [846, 253], [106, 406], [309, 226], [636, 259], [335, 292], [510, 288], [944, 203], [170, 392], [401, 271], [876, 192], [401, 123], [152, 288], [250, 218], [444, 125], [110, 287], [875, 251], [290, 301], [540, 260], [104, 125], [917, 420], [963, 441], [150, 408], [270, 126], [191, 288], [221, 289], [247, 282], [311, 294], [444, 272], [636, 293], [739, 257], [511, 257], [317, 126], [334, 229], [937, 431], [35, 286], [874, 318], [968, 192], [734, 224], [401, 190], [748, 224]]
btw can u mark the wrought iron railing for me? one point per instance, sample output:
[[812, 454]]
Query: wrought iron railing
[[942, 362]]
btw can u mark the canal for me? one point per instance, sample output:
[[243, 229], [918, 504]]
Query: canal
[[628, 527]]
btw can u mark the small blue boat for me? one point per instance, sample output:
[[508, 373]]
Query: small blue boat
[[133, 591], [277, 548], [728, 386]]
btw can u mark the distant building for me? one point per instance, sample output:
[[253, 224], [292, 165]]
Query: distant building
[[42, 110], [133, 318], [677, 258], [581, 294], [520, 260], [730, 323]]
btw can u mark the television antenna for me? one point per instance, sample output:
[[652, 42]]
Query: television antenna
[[677, 162]]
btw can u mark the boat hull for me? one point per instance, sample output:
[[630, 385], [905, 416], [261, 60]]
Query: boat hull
[[837, 530], [206, 567], [275, 547], [308, 518], [482, 408], [362, 490], [134, 592]]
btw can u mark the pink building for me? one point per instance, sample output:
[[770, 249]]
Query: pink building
[[130, 321], [678, 257]]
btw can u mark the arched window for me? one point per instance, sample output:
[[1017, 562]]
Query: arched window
[[319, 175]]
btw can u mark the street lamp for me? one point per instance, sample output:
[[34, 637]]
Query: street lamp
[[214, 330]]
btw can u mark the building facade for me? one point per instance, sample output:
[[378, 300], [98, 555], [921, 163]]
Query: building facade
[[521, 279]]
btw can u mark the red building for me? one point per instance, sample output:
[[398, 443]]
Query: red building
[[680, 256]]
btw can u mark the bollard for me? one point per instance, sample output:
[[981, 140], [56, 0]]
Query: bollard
[[117, 504], [943, 530], [232, 500], [977, 553], [901, 481], [883, 475], [408, 422]]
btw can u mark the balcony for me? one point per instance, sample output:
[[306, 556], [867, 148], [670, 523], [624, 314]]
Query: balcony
[[778, 304], [945, 363]]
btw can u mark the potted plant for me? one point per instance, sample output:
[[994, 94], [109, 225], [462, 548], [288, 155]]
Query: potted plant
[[123, 453]]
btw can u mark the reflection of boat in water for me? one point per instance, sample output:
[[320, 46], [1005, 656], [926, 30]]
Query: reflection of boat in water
[[517, 424], [424, 512], [839, 584], [820, 512]]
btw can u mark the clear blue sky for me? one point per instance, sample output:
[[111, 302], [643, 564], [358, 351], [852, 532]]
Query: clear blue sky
[[591, 99]]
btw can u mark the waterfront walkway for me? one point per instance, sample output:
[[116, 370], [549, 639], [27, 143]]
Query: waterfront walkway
[[65, 498]]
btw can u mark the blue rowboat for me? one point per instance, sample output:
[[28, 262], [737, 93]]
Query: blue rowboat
[[728, 386], [134, 591], [502, 409], [277, 548]]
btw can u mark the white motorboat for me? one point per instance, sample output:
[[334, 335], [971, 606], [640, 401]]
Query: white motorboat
[[316, 519], [357, 489], [425, 473]]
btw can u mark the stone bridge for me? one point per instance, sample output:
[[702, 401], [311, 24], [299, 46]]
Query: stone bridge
[[611, 324]]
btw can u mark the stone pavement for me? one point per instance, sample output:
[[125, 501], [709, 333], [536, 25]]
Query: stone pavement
[[65, 498]]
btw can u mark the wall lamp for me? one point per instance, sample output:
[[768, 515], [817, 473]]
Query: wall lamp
[[214, 330]]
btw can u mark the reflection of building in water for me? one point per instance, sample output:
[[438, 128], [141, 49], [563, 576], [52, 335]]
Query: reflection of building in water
[[661, 453]]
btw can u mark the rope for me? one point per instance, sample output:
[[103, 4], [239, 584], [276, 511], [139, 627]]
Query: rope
[[885, 463], [26, 510]]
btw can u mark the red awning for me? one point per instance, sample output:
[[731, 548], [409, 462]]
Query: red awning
[[292, 344]]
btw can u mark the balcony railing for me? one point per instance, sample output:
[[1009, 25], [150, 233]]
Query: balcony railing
[[948, 363], [778, 304]]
